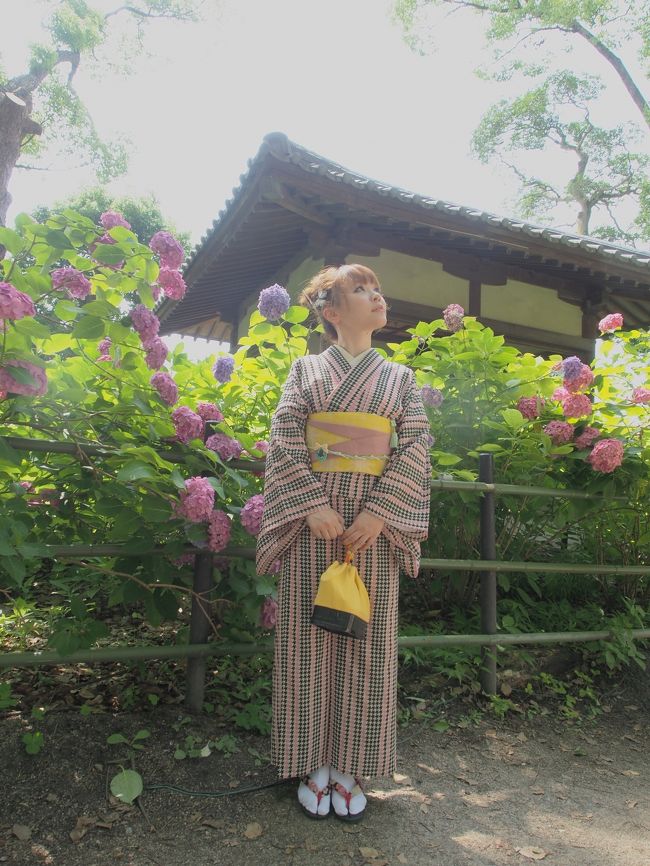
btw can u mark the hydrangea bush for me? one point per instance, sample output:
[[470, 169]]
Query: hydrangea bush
[[83, 363]]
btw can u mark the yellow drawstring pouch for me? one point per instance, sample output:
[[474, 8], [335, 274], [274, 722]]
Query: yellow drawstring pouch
[[342, 604]]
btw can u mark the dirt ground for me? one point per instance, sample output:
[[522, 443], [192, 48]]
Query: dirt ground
[[495, 792]]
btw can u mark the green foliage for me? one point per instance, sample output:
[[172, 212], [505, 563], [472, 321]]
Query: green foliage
[[606, 194], [557, 114], [143, 213]]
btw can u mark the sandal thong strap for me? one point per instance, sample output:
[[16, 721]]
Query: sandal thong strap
[[320, 792], [347, 795]]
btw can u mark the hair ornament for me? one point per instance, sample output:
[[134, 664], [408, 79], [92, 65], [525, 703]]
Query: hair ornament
[[321, 299]]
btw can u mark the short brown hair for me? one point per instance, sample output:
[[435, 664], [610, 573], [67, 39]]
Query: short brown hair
[[324, 290]]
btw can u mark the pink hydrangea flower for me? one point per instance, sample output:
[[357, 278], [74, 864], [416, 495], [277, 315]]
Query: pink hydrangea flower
[[453, 315], [166, 387], [262, 445], [587, 438], [168, 249], [560, 394], [583, 379], [560, 432], [607, 455], [188, 424], [219, 531], [111, 218], [252, 513], [577, 406], [145, 322], [530, 407], [641, 395], [11, 386], [184, 559], [156, 353], [225, 446], [269, 613], [15, 304], [45, 496], [610, 323], [73, 281], [197, 500], [209, 412], [172, 283], [27, 486]]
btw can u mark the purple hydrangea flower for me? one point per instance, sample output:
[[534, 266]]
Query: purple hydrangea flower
[[571, 368], [169, 251], [274, 302], [145, 323], [156, 353], [269, 613], [223, 368], [453, 315], [432, 396]]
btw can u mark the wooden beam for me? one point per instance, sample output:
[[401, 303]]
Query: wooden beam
[[365, 200], [273, 190]]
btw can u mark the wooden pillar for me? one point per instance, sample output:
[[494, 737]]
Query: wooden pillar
[[474, 297]]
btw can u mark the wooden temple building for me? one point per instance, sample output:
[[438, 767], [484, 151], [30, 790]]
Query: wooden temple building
[[295, 211]]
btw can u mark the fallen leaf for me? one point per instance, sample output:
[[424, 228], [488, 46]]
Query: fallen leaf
[[400, 779], [532, 853], [21, 831], [234, 783], [253, 831], [506, 689], [631, 803], [402, 858], [42, 854], [231, 843], [215, 823], [537, 791], [369, 853], [631, 707], [630, 773]]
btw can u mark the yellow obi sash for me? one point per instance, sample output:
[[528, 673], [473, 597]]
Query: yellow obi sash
[[349, 442]]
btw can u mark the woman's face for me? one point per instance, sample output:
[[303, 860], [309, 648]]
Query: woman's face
[[362, 306]]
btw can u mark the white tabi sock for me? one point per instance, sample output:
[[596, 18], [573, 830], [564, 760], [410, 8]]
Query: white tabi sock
[[357, 801], [309, 799]]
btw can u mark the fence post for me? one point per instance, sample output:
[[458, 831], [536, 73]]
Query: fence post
[[199, 630], [488, 591]]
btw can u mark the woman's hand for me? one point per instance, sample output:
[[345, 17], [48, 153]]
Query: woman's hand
[[325, 523], [363, 531]]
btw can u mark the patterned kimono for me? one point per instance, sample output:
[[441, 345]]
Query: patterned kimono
[[334, 698]]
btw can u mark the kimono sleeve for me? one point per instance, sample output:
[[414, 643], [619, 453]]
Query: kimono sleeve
[[291, 490], [401, 497]]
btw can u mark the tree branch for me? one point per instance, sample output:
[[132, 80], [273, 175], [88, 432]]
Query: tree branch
[[628, 82], [24, 85], [141, 13]]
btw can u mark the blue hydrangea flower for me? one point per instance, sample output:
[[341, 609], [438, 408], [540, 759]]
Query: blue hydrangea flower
[[432, 396], [274, 302], [223, 368], [572, 368]]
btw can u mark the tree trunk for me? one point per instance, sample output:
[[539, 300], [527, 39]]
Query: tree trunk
[[14, 115]]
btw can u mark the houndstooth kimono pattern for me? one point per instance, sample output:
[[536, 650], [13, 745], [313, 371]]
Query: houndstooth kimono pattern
[[334, 698]]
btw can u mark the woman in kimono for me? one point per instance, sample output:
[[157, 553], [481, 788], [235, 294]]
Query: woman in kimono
[[334, 697]]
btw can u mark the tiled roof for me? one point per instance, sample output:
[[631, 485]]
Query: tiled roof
[[283, 149]]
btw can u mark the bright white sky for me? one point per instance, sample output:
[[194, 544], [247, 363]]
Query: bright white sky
[[334, 75]]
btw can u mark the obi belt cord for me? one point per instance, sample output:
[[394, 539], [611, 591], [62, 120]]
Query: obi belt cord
[[349, 442]]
